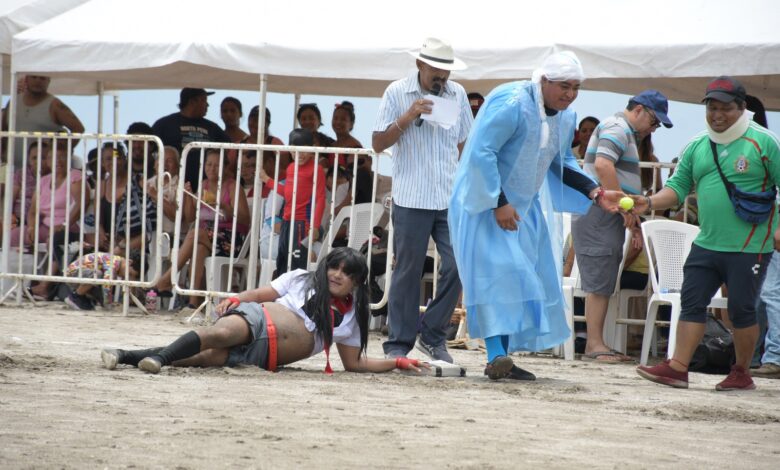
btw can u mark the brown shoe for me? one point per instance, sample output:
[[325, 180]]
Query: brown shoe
[[738, 379], [664, 374], [769, 370], [499, 368]]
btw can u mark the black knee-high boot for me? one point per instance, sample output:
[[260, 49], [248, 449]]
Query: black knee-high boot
[[186, 346]]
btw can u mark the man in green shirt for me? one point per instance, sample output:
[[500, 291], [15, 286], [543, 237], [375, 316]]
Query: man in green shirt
[[728, 249]]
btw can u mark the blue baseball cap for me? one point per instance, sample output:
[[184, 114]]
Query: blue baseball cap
[[655, 100]]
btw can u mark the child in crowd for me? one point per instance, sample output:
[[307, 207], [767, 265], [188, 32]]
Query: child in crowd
[[309, 203], [99, 265]]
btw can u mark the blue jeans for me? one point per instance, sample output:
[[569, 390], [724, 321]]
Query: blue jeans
[[412, 228], [770, 294]]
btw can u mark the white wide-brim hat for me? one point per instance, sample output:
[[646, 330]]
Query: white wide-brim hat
[[438, 53]]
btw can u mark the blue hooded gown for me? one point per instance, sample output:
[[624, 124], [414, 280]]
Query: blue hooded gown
[[511, 279]]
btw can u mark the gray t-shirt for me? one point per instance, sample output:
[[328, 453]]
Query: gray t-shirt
[[615, 140]]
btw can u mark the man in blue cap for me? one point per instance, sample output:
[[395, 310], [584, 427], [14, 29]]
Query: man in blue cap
[[612, 158]]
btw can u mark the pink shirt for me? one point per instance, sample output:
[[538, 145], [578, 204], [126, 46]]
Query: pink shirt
[[60, 207]]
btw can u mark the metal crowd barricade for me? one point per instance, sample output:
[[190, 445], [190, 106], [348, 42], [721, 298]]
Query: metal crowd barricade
[[230, 164], [657, 168], [55, 158]]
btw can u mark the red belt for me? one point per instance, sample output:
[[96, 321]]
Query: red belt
[[272, 346]]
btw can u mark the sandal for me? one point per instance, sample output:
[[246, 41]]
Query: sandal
[[615, 357], [162, 294]]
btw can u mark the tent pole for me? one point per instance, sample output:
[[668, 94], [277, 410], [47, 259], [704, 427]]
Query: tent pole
[[9, 188], [257, 216], [116, 114], [2, 64], [296, 104], [100, 108]]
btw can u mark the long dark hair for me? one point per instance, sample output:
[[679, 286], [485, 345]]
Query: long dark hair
[[318, 306], [645, 148]]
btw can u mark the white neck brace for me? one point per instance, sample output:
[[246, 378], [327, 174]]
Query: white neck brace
[[734, 132]]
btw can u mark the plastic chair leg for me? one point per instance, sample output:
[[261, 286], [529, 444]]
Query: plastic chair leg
[[610, 326], [676, 310], [649, 333], [621, 330], [568, 345]]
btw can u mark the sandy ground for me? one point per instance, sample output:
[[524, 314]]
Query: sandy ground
[[60, 408]]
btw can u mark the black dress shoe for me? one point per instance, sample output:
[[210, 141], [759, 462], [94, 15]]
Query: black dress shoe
[[520, 374]]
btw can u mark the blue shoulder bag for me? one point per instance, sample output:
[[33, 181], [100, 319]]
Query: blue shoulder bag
[[752, 207]]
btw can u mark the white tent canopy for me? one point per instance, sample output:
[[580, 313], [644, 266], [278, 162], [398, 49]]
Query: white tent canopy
[[19, 15], [355, 48]]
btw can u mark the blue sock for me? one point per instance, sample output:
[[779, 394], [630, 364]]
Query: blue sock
[[495, 346]]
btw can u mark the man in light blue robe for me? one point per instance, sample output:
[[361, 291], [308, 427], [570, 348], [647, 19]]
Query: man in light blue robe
[[520, 144]]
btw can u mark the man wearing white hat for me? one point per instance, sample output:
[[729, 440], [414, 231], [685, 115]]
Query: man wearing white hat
[[424, 164], [519, 148]]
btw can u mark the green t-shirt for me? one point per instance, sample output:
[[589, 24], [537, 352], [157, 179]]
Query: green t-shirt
[[721, 229]]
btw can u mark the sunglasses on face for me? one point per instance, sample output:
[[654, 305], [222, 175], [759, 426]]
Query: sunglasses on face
[[654, 121]]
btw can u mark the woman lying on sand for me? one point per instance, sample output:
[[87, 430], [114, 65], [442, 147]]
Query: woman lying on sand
[[299, 315]]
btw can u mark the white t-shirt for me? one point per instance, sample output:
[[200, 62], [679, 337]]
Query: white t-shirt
[[291, 287]]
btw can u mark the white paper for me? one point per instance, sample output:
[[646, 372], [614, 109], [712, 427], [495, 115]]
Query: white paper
[[444, 112]]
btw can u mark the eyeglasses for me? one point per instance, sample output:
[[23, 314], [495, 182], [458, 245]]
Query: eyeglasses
[[654, 121]]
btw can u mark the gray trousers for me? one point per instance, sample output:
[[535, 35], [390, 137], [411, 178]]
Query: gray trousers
[[412, 228]]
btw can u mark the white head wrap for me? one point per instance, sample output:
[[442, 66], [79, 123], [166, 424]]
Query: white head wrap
[[557, 67]]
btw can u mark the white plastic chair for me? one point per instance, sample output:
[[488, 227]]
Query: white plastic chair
[[668, 244], [621, 320], [217, 270], [367, 215]]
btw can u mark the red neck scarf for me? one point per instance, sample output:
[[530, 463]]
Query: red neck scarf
[[342, 306]]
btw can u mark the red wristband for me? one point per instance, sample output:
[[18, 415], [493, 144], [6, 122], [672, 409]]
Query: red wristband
[[234, 301], [599, 193], [404, 363]]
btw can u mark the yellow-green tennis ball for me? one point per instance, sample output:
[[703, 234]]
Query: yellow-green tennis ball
[[626, 203]]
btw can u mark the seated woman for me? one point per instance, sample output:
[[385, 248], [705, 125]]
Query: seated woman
[[53, 214], [170, 183], [115, 229], [205, 229], [342, 123], [272, 210], [25, 178], [299, 315], [247, 176]]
